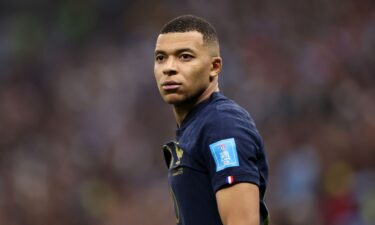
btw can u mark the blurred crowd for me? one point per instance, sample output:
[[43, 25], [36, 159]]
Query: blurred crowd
[[82, 123]]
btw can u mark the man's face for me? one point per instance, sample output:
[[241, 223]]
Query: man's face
[[183, 65]]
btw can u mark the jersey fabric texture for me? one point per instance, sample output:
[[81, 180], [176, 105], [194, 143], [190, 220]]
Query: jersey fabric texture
[[217, 145]]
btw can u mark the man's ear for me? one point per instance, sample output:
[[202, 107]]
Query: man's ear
[[216, 65]]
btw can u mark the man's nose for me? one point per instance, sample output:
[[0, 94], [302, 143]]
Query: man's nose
[[170, 67]]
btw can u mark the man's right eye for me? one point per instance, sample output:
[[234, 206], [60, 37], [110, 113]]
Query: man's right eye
[[160, 58]]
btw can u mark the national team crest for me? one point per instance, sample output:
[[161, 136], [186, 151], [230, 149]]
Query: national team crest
[[173, 154], [224, 153]]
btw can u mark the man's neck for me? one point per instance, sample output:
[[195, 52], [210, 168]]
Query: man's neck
[[182, 110]]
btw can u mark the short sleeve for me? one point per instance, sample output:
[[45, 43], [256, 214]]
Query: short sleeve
[[231, 149]]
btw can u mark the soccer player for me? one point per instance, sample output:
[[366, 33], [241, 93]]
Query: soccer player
[[217, 166]]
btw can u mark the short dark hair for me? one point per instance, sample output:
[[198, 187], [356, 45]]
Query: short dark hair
[[188, 23]]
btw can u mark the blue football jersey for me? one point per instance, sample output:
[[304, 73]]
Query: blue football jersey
[[217, 145]]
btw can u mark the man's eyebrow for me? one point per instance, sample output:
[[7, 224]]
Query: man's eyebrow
[[177, 51], [184, 50], [160, 52]]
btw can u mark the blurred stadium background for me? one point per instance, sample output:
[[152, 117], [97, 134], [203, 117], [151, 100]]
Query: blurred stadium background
[[82, 123]]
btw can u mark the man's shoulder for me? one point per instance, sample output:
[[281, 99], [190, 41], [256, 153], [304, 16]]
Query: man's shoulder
[[224, 108], [226, 118]]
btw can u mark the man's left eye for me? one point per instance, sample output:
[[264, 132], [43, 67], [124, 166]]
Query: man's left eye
[[186, 57]]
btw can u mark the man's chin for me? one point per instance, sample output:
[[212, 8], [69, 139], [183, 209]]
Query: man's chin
[[180, 100], [173, 99]]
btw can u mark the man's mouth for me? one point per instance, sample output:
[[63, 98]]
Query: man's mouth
[[170, 85]]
